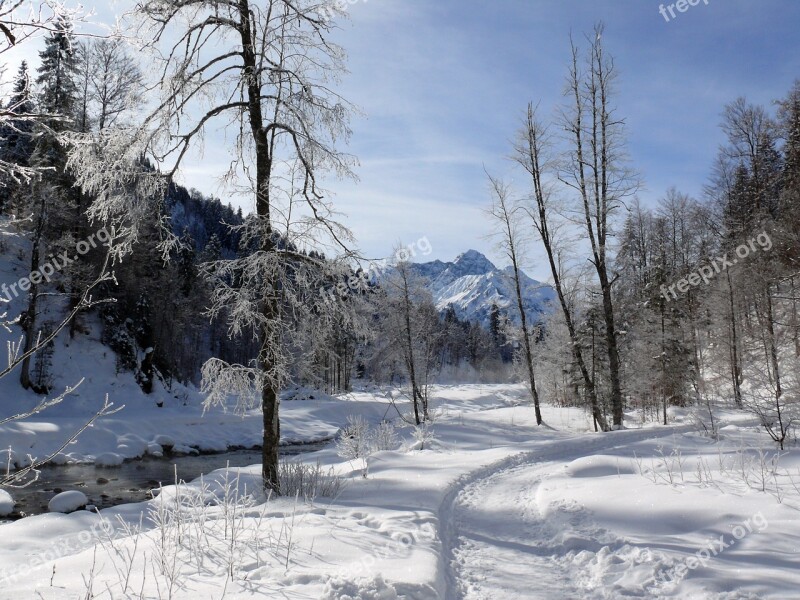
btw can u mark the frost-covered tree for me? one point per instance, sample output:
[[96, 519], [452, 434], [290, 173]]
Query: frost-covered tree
[[408, 334], [52, 202], [42, 166], [20, 24], [507, 215], [16, 135], [266, 71]]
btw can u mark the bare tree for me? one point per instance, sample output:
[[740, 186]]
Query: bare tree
[[594, 167], [530, 153], [408, 332], [114, 80], [506, 212]]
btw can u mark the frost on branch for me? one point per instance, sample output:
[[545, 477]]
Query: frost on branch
[[221, 380], [109, 166]]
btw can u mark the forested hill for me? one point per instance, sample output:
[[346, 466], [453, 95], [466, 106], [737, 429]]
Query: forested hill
[[201, 218]]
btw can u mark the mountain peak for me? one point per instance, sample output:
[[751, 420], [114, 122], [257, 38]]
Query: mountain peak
[[471, 284], [473, 262]]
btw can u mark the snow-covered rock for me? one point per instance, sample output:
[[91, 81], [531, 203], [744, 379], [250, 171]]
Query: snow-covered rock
[[131, 445], [164, 441], [59, 459], [6, 503], [67, 502], [184, 449], [109, 459]]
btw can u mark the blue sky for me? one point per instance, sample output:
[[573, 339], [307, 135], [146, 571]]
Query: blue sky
[[443, 85]]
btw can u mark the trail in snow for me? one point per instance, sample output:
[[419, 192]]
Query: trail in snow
[[498, 544]]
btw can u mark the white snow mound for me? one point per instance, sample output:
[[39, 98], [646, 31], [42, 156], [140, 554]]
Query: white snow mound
[[154, 449], [67, 502], [6, 503], [109, 459], [599, 466], [164, 441]]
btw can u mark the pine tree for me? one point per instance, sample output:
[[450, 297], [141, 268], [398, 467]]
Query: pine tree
[[54, 202], [16, 141], [58, 74]]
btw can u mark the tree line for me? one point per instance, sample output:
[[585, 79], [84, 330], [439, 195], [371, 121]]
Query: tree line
[[685, 302]]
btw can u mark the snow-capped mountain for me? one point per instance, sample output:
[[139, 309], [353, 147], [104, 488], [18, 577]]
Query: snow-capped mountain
[[472, 284]]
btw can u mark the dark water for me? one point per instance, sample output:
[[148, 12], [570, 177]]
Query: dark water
[[133, 480]]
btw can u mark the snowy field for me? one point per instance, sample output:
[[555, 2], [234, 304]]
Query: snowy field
[[491, 507]]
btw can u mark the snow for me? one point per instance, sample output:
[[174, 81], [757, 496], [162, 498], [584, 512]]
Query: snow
[[164, 441], [599, 466], [182, 425], [109, 459], [363, 589], [67, 502], [493, 507], [6, 503]]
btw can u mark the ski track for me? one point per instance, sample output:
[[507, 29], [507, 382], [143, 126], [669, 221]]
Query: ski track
[[494, 536]]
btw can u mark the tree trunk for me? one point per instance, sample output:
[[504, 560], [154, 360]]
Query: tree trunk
[[794, 323], [736, 369], [663, 362], [528, 351], [270, 309], [773, 355], [613, 353], [412, 369], [28, 319]]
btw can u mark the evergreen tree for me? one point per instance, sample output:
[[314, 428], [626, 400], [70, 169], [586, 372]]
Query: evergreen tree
[[16, 141], [53, 201], [58, 74]]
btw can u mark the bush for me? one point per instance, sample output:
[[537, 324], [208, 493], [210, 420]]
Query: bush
[[308, 481], [354, 440], [384, 437]]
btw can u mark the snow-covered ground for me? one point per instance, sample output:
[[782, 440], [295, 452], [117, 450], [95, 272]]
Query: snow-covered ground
[[494, 507]]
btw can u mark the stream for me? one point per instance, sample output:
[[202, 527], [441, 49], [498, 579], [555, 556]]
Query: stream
[[133, 480]]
